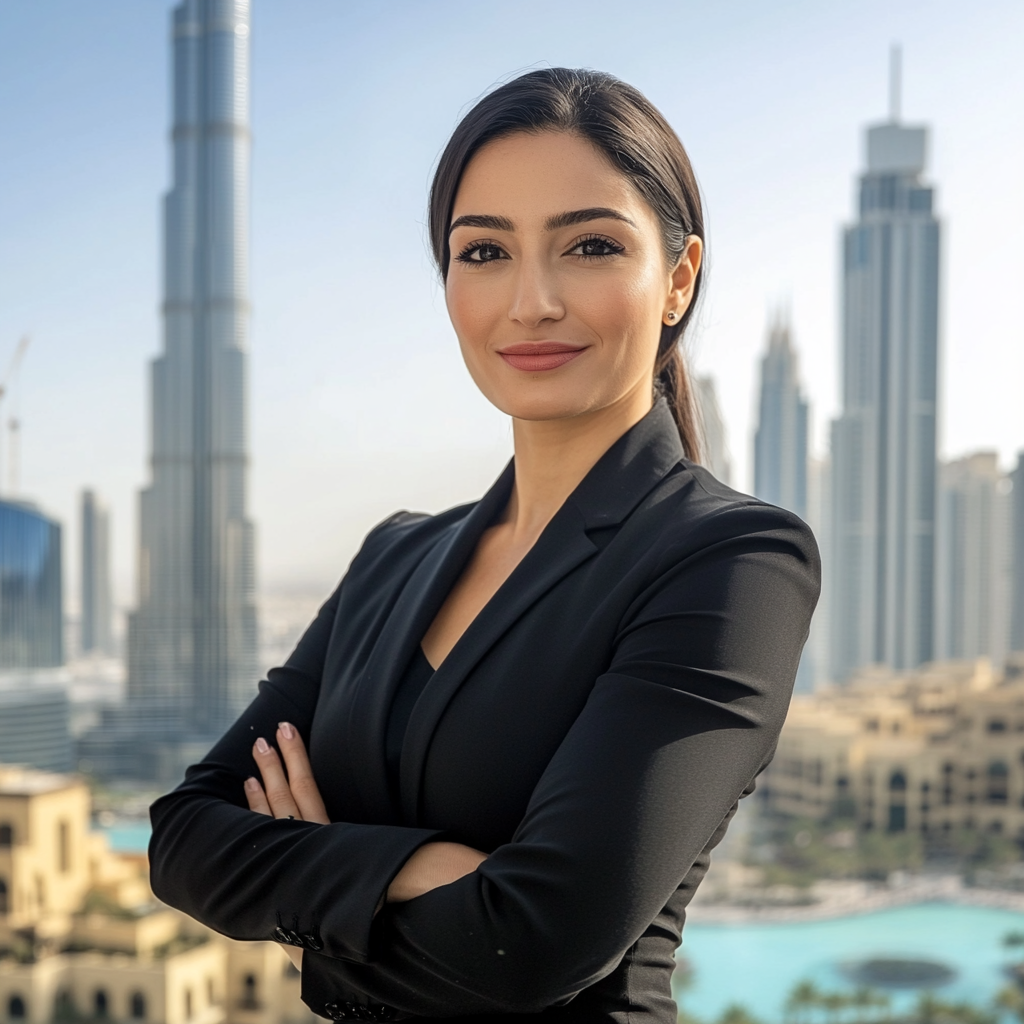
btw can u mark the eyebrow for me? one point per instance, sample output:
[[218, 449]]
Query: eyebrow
[[559, 220]]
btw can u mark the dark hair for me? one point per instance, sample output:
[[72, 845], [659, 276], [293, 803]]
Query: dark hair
[[623, 124]]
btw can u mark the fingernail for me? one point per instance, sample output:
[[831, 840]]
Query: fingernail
[[251, 784], [262, 746], [286, 730]]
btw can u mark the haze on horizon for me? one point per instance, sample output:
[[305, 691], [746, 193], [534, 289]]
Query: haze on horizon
[[359, 402]]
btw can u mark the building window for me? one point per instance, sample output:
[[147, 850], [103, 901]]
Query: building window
[[897, 782], [64, 1007], [249, 993], [996, 725], [100, 1004], [997, 778], [63, 847], [4, 898], [6, 835], [16, 1008], [897, 818], [137, 1006], [188, 1004]]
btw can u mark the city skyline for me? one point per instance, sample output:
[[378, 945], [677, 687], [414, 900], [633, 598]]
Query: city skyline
[[321, 392]]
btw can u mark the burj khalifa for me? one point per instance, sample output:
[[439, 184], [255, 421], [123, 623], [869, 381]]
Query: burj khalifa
[[192, 639]]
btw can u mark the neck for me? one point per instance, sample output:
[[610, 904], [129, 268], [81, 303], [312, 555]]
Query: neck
[[553, 456]]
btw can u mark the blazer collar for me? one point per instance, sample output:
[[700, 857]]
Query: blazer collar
[[625, 474], [617, 483]]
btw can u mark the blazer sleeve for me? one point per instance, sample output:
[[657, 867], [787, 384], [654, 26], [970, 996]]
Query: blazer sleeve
[[250, 876], [687, 714]]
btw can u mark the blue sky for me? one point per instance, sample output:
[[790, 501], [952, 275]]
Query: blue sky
[[359, 401]]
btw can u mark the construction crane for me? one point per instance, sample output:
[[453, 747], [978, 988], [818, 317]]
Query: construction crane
[[14, 424]]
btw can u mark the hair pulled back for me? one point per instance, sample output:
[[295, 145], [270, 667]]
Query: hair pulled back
[[622, 123]]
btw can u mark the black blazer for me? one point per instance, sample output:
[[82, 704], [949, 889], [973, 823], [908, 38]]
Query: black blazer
[[592, 731]]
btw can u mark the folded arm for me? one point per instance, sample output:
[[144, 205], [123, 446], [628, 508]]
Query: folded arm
[[233, 870]]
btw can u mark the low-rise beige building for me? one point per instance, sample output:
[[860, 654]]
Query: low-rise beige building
[[82, 937], [934, 750]]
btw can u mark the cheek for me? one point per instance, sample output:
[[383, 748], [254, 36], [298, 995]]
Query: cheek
[[626, 313], [474, 308]]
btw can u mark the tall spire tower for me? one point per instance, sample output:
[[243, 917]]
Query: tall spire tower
[[884, 442], [192, 645]]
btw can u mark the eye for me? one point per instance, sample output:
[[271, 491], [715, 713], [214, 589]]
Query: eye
[[595, 247], [482, 252]]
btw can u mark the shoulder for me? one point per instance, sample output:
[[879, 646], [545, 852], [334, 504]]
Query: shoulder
[[694, 510], [405, 535]]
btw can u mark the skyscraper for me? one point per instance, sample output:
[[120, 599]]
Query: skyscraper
[[716, 448], [97, 609], [780, 444], [884, 456], [31, 595], [972, 564], [1017, 557], [192, 639]]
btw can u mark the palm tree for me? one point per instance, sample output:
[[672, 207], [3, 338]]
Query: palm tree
[[1011, 999], [735, 1013], [865, 1000], [833, 1004], [802, 999]]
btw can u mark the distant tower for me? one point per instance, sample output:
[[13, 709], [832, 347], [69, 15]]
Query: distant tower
[[31, 593], [97, 607], [1017, 555], [192, 640], [972, 577], [780, 444], [716, 449], [884, 454]]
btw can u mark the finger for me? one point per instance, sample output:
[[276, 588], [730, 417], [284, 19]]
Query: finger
[[255, 796], [275, 783], [304, 789]]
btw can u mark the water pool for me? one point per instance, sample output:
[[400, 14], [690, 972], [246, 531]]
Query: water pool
[[758, 964], [128, 836]]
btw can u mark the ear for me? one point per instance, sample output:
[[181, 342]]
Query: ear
[[683, 280]]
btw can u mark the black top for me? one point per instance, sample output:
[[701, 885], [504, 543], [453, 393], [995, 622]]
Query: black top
[[416, 676], [591, 731]]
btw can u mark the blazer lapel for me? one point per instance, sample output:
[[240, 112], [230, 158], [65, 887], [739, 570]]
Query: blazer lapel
[[411, 615], [561, 547], [619, 481]]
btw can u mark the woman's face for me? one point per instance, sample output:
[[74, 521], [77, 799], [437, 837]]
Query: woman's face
[[558, 285]]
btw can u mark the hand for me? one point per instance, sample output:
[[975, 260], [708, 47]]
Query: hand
[[294, 795], [431, 866]]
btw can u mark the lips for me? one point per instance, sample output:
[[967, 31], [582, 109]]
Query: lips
[[540, 355]]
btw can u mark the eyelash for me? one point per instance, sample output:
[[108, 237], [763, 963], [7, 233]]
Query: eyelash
[[474, 247]]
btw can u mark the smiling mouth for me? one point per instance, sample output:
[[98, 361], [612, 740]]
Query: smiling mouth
[[540, 355]]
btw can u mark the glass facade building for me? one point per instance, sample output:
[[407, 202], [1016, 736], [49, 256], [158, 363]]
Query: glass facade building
[[34, 725], [31, 596], [884, 442]]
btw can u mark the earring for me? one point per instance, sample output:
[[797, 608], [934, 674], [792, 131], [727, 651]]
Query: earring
[[670, 316]]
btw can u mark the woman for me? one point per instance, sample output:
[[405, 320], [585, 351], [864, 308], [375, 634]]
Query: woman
[[528, 719]]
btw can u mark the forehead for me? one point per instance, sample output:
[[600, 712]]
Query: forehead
[[542, 174]]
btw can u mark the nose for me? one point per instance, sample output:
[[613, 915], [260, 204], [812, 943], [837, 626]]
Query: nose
[[535, 298]]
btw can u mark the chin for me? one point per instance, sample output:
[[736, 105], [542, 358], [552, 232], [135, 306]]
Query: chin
[[554, 404]]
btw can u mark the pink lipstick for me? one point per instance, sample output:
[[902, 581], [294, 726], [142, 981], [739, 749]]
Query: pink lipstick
[[539, 355]]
